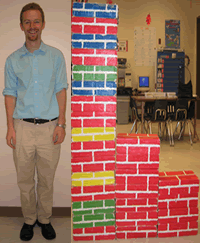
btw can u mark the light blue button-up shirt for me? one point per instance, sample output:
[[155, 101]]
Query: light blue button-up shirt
[[35, 78]]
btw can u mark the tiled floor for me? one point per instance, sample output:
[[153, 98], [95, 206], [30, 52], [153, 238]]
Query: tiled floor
[[181, 156]]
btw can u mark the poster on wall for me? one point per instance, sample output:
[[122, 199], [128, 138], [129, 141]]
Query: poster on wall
[[144, 46], [172, 34]]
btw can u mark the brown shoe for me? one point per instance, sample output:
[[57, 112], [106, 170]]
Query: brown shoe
[[26, 232], [47, 230]]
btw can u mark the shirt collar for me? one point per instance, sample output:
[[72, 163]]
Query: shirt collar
[[42, 49]]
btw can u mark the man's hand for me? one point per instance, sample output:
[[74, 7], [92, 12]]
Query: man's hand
[[59, 132], [11, 137]]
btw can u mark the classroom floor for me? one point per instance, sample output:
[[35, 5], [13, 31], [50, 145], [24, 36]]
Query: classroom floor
[[182, 156], [10, 230]]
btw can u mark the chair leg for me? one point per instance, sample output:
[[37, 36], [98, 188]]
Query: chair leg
[[159, 130], [150, 127], [181, 131], [138, 128], [172, 137], [145, 128], [168, 129], [189, 132], [181, 126], [133, 126], [193, 127], [163, 131], [176, 128]]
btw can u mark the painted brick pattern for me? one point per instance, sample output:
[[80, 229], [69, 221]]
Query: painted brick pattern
[[137, 176], [93, 120], [95, 233], [94, 28], [178, 204], [93, 207], [95, 10], [136, 232], [94, 80], [94, 57]]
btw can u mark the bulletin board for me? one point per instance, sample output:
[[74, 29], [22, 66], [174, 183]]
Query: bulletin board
[[145, 46]]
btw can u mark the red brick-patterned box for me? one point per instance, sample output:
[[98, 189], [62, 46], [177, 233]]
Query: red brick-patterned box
[[136, 178], [178, 204], [175, 178], [178, 184], [138, 152]]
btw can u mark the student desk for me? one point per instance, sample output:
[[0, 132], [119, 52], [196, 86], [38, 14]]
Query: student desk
[[144, 99]]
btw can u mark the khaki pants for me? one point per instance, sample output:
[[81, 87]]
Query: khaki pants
[[35, 148]]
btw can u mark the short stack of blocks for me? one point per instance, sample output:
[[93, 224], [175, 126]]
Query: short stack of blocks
[[137, 163], [178, 204], [93, 120]]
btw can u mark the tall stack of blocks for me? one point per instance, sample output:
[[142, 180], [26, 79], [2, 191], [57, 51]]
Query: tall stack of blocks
[[93, 120], [137, 163], [178, 204]]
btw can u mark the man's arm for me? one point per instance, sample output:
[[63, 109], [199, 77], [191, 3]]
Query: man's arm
[[61, 98], [59, 132], [10, 103]]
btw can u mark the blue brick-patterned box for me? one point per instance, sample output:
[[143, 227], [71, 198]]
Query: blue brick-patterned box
[[95, 10], [93, 37], [94, 45], [94, 92]]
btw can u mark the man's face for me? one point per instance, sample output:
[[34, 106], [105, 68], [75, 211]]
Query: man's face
[[32, 25]]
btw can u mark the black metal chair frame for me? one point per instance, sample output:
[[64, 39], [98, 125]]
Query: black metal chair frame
[[137, 117], [160, 116], [181, 117]]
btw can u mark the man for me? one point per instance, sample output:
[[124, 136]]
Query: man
[[35, 101]]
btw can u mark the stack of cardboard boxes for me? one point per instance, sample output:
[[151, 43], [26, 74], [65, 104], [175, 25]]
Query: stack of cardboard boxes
[[93, 120], [137, 163]]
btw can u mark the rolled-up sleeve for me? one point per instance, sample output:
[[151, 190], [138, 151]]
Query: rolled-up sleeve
[[10, 79], [61, 77]]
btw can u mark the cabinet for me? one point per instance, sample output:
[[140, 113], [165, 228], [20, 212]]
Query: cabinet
[[170, 68], [123, 104]]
